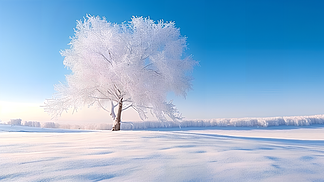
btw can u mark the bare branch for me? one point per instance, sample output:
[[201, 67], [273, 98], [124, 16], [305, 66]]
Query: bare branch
[[144, 57], [102, 106], [147, 66], [106, 58], [155, 71], [130, 105], [144, 68], [127, 100], [101, 92], [113, 94]]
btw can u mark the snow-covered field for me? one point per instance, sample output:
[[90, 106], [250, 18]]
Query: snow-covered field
[[282, 153]]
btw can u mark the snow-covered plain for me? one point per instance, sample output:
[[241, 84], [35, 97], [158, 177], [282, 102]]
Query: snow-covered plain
[[279, 153]]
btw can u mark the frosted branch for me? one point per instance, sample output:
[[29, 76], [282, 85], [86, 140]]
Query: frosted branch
[[112, 112]]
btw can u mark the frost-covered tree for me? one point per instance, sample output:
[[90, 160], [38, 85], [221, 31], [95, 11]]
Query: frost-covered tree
[[129, 65]]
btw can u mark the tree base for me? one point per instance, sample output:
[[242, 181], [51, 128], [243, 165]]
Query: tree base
[[116, 127]]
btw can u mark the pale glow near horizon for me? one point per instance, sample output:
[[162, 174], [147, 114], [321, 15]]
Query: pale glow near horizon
[[34, 112]]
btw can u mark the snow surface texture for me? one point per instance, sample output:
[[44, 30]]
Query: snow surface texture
[[221, 154]]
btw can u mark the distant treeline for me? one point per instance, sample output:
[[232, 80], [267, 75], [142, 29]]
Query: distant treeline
[[19, 122], [233, 122]]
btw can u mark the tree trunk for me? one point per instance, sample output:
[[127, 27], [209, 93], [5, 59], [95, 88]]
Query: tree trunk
[[116, 126]]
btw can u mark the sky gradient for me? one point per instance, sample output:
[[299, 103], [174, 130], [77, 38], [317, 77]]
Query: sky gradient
[[256, 58]]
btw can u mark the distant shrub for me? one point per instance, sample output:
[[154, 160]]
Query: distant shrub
[[15, 122], [32, 123], [50, 125]]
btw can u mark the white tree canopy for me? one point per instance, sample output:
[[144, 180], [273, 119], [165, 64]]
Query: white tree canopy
[[135, 63]]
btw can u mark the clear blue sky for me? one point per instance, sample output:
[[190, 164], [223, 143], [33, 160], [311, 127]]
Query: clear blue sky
[[257, 58]]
